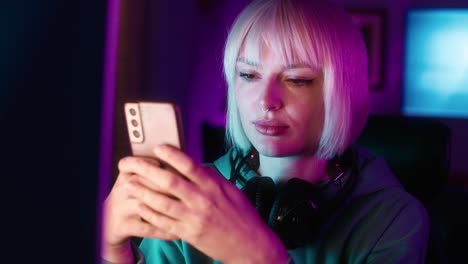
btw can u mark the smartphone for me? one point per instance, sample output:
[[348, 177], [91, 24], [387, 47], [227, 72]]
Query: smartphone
[[153, 123]]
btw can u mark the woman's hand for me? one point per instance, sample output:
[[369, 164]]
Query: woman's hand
[[202, 208], [121, 215]]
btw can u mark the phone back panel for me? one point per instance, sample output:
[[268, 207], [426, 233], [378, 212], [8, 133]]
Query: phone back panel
[[153, 123]]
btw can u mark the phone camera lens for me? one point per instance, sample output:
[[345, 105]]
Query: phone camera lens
[[136, 133], [134, 123], [132, 111]]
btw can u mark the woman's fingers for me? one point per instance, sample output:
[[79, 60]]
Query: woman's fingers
[[160, 212], [181, 162], [138, 165], [142, 228], [151, 175], [206, 179], [131, 223], [160, 221], [159, 202], [195, 179]]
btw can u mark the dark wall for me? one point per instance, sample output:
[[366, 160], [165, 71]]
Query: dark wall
[[51, 61]]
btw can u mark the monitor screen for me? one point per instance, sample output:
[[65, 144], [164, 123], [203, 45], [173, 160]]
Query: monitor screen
[[435, 77]]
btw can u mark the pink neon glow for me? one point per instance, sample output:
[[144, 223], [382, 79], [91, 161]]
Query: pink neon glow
[[107, 111]]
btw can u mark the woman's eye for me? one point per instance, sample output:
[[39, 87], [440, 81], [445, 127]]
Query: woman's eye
[[300, 82], [247, 76]]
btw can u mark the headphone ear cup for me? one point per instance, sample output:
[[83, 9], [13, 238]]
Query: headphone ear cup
[[294, 214], [261, 192]]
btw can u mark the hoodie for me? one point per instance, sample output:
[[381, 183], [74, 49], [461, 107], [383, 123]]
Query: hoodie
[[378, 222]]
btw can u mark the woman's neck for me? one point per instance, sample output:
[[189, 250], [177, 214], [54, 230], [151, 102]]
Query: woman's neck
[[281, 169]]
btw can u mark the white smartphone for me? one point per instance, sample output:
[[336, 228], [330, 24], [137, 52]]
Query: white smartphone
[[153, 123]]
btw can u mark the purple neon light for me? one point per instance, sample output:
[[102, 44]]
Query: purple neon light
[[107, 112]]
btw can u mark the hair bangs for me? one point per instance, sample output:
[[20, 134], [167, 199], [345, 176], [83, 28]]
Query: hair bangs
[[287, 37]]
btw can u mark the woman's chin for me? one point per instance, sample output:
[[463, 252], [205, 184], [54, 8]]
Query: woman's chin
[[283, 150]]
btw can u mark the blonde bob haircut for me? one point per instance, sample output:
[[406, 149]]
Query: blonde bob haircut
[[311, 32]]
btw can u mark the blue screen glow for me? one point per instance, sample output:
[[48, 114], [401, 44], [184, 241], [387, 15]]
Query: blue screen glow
[[435, 81]]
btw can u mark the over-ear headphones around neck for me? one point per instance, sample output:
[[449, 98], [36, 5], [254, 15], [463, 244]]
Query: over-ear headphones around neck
[[297, 209]]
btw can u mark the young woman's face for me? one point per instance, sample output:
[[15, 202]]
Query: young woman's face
[[281, 106]]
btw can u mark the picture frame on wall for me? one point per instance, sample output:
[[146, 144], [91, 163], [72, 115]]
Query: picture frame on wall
[[372, 23]]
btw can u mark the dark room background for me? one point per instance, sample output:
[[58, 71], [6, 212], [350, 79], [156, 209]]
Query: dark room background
[[51, 68]]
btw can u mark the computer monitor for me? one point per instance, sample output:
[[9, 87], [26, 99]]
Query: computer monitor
[[435, 77]]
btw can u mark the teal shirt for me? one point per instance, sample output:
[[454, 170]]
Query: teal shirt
[[379, 223]]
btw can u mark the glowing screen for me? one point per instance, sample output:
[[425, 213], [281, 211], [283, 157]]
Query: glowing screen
[[435, 81]]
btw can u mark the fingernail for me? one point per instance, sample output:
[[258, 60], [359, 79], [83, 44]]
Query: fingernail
[[156, 151]]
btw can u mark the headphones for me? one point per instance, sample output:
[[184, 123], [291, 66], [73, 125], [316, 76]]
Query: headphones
[[297, 210]]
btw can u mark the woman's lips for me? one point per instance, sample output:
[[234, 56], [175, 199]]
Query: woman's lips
[[270, 128]]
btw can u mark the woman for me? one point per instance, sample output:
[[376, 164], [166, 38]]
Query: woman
[[297, 100]]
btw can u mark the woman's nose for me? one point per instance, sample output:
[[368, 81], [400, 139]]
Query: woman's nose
[[270, 96]]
